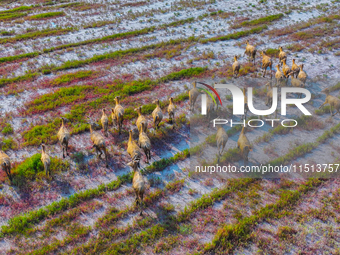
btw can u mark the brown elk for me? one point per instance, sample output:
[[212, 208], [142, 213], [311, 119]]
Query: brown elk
[[333, 102], [141, 119], [138, 183], [145, 143], [46, 160], [266, 62], [171, 110], [250, 51], [236, 67], [157, 114], [5, 163], [105, 122], [98, 141], [244, 144], [117, 114], [64, 136]]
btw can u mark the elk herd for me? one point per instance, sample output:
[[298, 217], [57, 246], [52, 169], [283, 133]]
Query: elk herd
[[298, 79], [133, 147]]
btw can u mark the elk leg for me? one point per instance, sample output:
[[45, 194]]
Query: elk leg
[[8, 173], [330, 108], [66, 148], [105, 154], [136, 200], [97, 150], [141, 204]]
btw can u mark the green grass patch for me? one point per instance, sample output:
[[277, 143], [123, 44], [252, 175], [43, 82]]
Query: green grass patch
[[7, 129], [177, 23], [260, 21], [323, 110], [16, 57], [25, 77], [9, 144], [293, 154], [207, 200], [235, 35], [61, 97], [329, 133], [175, 186], [36, 34], [46, 15], [67, 78], [17, 9], [272, 52], [11, 16]]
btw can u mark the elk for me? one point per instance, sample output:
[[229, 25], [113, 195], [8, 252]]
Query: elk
[[285, 69], [64, 136], [138, 183], [278, 76], [157, 114], [193, 94], [221, 139], [98, 141], [266, 62], [5, 163], [117, 114], [141, 119], [171, 110], [245, 103], [46, 160], [295, 69], [282, 56], [302, 76], [210, 106], [145, 144], [244, 144], [105, 122], [216, 98], [333, 102], [133, 148], [236, 67], [250, 51], [296, 83], [269, 94]]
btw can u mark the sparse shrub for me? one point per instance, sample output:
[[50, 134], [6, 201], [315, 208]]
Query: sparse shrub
[[154, 180], [46, 71], [7, 129], [28, 169], [174, 186], [9, 144], [192, 192], [286, 232], [167, 207]]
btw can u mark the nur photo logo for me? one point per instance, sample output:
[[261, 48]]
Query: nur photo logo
[[239, 101]]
